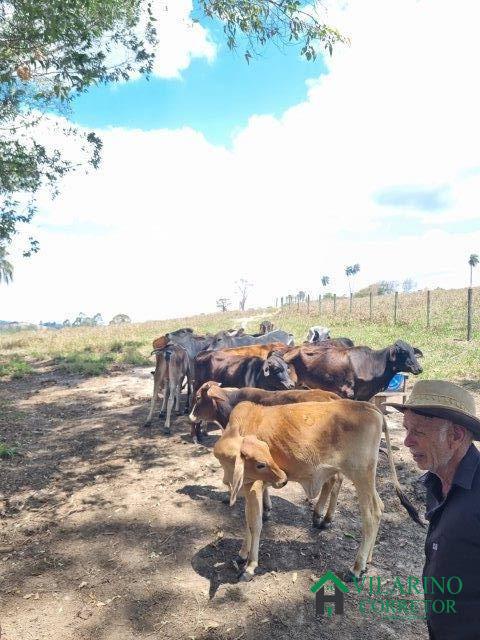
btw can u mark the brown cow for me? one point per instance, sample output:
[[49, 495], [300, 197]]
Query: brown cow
[[352, 372], [256, 350], [307, 443], [213, 403]]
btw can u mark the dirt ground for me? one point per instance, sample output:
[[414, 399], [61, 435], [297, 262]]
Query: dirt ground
[[110, 531]]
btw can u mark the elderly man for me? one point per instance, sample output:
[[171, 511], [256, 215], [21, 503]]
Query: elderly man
[[441, 424]]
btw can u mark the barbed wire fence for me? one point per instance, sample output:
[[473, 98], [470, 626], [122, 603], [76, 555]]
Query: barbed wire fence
[[446, 309]]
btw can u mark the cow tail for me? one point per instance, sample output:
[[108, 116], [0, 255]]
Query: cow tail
[[412, 512]]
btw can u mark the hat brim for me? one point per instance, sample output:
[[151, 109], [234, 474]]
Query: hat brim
[[448, 413]]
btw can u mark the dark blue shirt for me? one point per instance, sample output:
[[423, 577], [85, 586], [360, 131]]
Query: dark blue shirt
[[452, 548]]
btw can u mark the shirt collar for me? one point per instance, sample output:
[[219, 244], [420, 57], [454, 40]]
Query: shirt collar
[[463, 475]]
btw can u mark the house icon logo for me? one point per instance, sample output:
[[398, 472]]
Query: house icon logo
[[329, 603]]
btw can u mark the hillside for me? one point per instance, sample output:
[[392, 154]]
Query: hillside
[[94, 350]]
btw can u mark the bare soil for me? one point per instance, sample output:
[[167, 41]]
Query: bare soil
[[111, 531]]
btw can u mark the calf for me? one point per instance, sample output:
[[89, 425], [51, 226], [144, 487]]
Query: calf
[[213, 403], [172, 365], [307, 443]]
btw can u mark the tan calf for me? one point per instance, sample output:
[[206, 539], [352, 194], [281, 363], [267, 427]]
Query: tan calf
[[307, 443], [172, 365]]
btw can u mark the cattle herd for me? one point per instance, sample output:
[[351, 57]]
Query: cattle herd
[[288, 413]]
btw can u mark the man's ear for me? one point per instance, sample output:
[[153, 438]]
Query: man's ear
[[266, 368], [237, 481]]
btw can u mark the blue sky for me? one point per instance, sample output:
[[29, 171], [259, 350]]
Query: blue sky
[[280, 171], [215, 98]]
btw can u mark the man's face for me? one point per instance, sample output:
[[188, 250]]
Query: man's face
[[428, 440]]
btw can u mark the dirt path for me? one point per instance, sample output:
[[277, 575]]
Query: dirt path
[[111, 532]]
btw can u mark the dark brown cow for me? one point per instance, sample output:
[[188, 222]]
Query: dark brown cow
[[240, 371], [214, 403], [352, 372]]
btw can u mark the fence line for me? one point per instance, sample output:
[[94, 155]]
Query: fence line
[[440, 308]]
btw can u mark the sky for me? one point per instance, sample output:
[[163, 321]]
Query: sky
[[279, 171]]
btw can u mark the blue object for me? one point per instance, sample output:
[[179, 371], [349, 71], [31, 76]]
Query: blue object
[[396, 383]]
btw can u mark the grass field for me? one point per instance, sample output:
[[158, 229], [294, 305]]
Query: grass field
[[92, 351]]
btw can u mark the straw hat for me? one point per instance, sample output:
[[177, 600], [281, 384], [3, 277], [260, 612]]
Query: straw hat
[[441, 399]]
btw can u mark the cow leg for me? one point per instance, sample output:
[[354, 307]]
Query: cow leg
[[164, 400], [371, 514], [171, 399], [178, 390], [379, 507], [253, 515], [267, 504], [156, 387], [330, 491]]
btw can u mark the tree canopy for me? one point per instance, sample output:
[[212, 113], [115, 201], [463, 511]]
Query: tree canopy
[[53, 50]]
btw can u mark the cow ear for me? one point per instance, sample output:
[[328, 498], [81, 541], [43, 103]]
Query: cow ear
[[417, 352], [216, 393], [237, 481], [266, 368], [393, 353]]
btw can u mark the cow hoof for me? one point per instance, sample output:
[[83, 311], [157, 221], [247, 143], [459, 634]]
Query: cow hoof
[[186, 411], [239, 561], [226, 499], [266, 515], [147, 424], [321, 523], [166, 432], [245, 577], [162, 414]]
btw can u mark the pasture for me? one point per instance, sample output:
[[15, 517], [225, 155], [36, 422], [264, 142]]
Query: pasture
[[110, 531]]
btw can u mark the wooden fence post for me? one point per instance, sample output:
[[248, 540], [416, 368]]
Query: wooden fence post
[[395, 306], [276, 303], [469, 313], [428, 308], [308, 303], [351, 301], [334, 303], [371, 305], [298, 303], [281, 302], [319, 303]]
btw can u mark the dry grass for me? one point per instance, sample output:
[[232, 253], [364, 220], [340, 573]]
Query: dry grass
[[95, 350]]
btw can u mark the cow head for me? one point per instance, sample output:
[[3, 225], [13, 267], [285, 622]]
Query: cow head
[[280, 374], [222, 341], [244, 460], [206, 402], [404, 357]]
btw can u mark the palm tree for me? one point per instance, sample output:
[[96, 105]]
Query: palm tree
[[6, 268], [351, 271], [325, 280], [472, 261]]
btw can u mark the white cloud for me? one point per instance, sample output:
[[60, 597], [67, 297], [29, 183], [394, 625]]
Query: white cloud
[[293, 198]]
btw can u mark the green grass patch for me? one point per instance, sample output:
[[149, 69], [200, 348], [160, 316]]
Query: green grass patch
[[15, 366], [7, 451], [85, 363]]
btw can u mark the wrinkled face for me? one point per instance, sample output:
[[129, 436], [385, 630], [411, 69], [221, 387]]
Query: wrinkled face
[[405, 357], [281, 377], [204, 407], [429, 440]]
